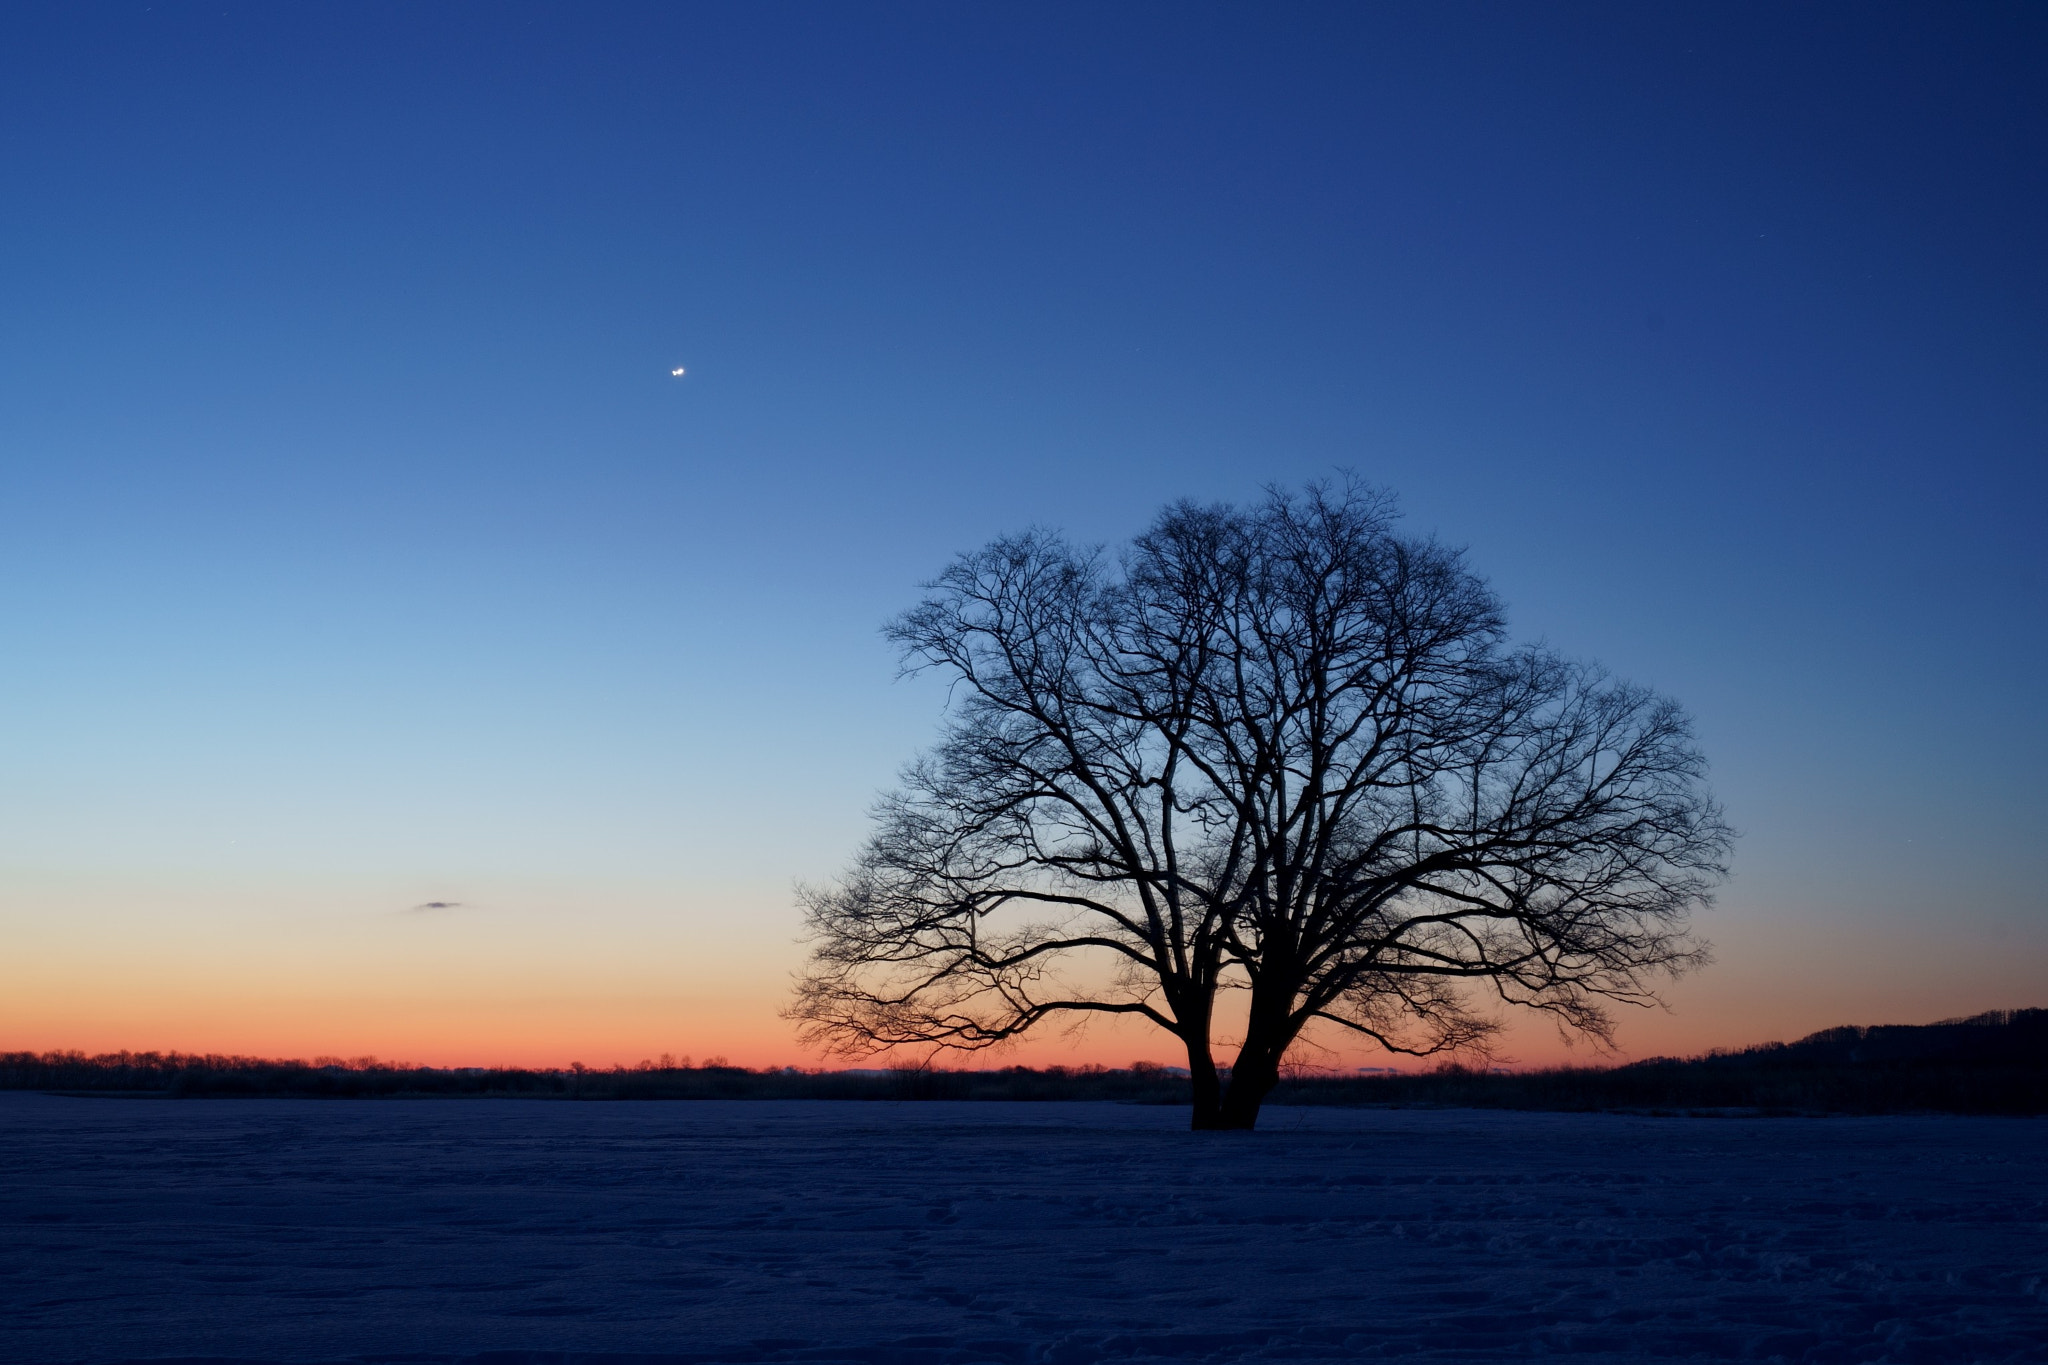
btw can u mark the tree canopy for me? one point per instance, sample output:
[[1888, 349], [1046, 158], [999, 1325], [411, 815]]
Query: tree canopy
[[1282, 749]]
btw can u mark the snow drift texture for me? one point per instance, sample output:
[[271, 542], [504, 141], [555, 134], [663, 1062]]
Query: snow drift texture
[[294, 1230]]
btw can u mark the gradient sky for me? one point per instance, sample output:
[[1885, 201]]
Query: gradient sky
[[358, 551]]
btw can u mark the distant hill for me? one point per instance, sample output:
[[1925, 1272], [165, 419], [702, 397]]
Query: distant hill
[[1994, 1063], [2000, 1037]]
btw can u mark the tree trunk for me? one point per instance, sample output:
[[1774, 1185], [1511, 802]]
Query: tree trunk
[[1206, 1085], [1251, 1080], [1257, 1070]]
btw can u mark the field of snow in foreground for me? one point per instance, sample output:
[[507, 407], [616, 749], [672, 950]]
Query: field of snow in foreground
[[287, 1230]]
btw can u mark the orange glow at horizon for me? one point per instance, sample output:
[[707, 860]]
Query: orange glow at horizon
[[531, 983]]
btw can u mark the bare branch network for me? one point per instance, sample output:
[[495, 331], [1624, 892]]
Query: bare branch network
[[1281, 748]]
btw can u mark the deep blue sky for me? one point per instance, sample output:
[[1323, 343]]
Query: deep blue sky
[[357, 548]]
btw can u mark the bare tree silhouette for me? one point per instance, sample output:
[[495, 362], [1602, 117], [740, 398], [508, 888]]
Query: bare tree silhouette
[[1280, 749]]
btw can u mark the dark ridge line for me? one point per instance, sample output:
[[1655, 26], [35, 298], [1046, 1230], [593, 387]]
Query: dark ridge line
[[1994, 1063]]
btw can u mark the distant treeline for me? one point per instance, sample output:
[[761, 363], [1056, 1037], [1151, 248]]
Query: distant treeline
[[1993, 1063], [193, 1075]]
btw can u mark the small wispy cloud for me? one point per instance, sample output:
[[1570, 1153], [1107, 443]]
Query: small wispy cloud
[[426, 906]]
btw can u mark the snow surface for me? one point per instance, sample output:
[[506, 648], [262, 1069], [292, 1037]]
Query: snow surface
[[283, 1230]]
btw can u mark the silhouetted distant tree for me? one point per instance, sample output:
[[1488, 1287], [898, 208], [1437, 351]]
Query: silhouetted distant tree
[[1280, 749]]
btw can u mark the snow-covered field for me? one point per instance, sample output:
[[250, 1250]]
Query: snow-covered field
[[755, 1231]]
